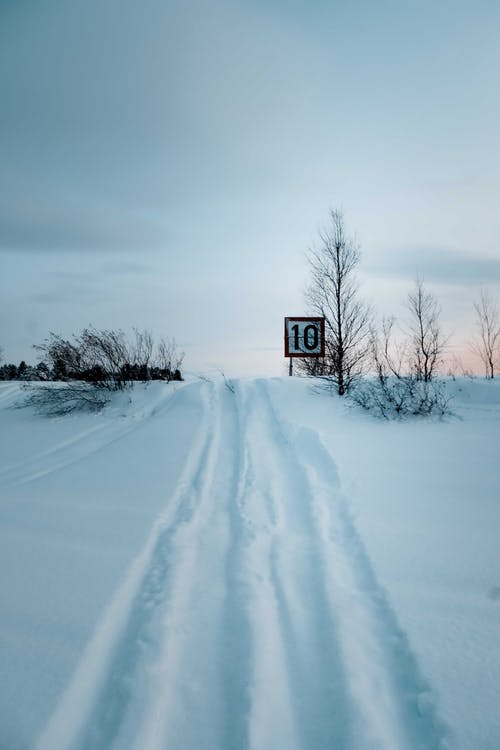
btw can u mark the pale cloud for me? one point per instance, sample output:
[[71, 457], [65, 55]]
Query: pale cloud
[[435, 264], [62, 223]]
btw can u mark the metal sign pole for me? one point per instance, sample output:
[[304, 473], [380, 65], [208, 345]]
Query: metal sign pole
[[290, 367]]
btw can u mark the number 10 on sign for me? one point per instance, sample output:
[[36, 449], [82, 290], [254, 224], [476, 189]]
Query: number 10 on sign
[[304, 337]]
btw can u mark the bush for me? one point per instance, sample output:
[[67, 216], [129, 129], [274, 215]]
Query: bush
[[94, 363], [56, 400], [109, 360], [396, 397]]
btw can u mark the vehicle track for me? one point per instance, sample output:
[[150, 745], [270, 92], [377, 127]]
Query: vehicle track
[[252, 619], [391, 704], [94, 707], [309, 691], [80, 445]]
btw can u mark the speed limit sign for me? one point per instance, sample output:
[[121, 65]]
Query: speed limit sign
[[304, 337]]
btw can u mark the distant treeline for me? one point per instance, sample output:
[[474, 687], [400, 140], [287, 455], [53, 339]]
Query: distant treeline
[[23, 371]]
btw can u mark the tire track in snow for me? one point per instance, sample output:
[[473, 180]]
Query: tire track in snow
[[252, 619], [267, 708], [184, 702], [391, 703], [62, 454], [203, 697], [78, 447], [300, 698], [94, 706], [235, 640], [7, 392]]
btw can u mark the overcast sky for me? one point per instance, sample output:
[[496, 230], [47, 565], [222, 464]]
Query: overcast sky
[[167, 164]]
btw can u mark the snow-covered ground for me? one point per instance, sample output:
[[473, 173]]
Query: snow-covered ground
[[254, 566]]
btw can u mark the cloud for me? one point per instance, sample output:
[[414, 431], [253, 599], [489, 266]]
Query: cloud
[[166, 108], [434, 264], [68, 294], [124, 268], [65, 224]]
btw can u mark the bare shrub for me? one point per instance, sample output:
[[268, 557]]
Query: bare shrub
[[58, 399], [96, 362], [397, 390], [141, 354], [395, 398], [93, 356], [169, 359], [457, 368], [108, 360]]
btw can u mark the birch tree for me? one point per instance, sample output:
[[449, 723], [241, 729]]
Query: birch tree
[[487, 342], [333, 293]]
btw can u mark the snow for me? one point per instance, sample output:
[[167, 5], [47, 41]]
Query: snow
[[255, 566]]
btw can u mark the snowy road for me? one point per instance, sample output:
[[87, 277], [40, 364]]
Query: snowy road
[[252, 618]]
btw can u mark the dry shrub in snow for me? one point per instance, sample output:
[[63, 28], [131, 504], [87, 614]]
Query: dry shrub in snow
[[94, 363], [394, 397], [399, 388], [58, 399]]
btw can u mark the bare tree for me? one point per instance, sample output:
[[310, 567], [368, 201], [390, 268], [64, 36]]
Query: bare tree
[[487, 342], [387, 355], [456, 367], [313, 366], [169, 359], [105, 352], [93, 356], [142, 352], [63, 357], [426, 339], [333, 294]]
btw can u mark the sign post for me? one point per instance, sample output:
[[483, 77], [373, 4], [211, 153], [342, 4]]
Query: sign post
[[304, 337]]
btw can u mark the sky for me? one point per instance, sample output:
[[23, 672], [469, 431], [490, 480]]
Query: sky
[[168, 164]]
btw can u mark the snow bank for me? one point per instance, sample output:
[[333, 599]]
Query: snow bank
[[258, 566]]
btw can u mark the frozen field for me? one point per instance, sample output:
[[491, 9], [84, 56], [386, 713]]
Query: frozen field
[[205, 567]]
